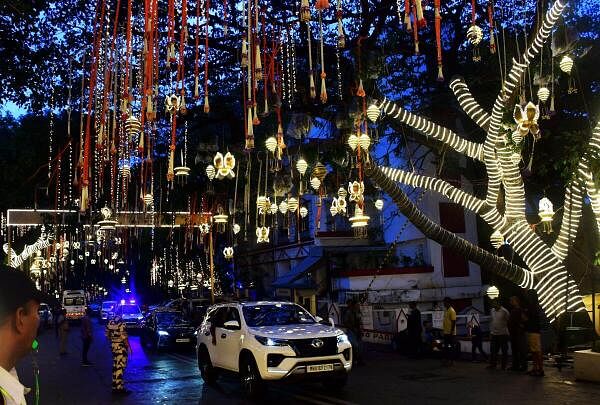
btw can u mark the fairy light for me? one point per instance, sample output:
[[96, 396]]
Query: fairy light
[[51, 135]]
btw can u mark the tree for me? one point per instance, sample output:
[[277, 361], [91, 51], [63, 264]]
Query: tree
[[545, 270]]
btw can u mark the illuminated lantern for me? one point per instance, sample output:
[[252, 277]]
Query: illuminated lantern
[[283, 207], [359, 220], [543, 94], [148, 199], [210, 172], [315, 183], [133, 126], [333, 209], [125, 171], [342, 192], [373, 112], [301, 166], [566, 64], [273, 208], [356, 190], [546, 213], [379, 204], [262, 203], [319, 171], [236, 229], [262, 234], [474, 35], [493, 292], [228, 253], [364, 141], [496, 239], [292, 204], [271, 144], [353, 141], [303, 212]]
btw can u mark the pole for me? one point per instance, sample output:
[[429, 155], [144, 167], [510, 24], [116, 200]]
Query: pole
[[212, 267]]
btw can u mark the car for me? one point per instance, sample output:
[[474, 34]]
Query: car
[[167, 329], [45, 315], [107, 309], [131, 315], [271, 341], [95, 307]]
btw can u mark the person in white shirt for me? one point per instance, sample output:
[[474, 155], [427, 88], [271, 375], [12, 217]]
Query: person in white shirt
[[19, 320], [499, 334]]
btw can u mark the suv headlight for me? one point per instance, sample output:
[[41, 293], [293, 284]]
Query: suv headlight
[[163, 333], [342, 338], [267, 341]]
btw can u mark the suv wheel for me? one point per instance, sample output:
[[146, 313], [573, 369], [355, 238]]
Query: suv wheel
[[335, 384], [250, 380], [208, 373]]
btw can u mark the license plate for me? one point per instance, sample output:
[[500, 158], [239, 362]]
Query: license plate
[[319, 368], [182, 340]]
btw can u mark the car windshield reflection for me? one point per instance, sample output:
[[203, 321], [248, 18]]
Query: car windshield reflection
[[276, 315]]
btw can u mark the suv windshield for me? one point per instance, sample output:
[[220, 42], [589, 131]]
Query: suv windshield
[[168, 318], [130, 309], [276, 314]]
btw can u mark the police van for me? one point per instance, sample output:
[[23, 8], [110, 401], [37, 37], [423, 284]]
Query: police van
[[74, 302]]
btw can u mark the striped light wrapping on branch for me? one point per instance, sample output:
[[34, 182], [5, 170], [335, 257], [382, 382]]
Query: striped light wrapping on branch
[[426, 127], [468, 104], [513, 184], [570, 221]]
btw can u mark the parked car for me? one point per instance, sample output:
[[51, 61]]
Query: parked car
[[46, 317], [130, 314], [107, 309], [167, 329], [267, 341], [95, 307]]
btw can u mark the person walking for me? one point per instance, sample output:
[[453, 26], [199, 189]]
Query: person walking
[[449, 329], [498, 334], [120, 348], [414, 329], [19, 320], [63, 331], [476, 340], [533, 327], [86, 337], [518, 339], [352, 323]]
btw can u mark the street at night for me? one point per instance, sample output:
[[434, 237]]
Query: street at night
[[387, 378]]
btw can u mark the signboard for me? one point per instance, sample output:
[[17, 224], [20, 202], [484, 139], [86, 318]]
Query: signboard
[[334, 313], [438, 319], [366, 321], [372, 336]]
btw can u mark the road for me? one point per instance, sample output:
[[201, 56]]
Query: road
[[388, 378]]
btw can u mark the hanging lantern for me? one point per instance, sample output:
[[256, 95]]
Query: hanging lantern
[[546, 213], [148, 199], [273, 208], [319, 171], [515, 158], [262, 234], [496, 239], [133, 126], [517, 137], [292, 204], [315, 183], [271, 144], [543, 94], [353, 141], [493, 292], [301, 166], [236, 229], [474, 35], [304, 11], [379, 204], [182, 171], [359, 220], [566, 64], [220, 218], [204, 228], [210, 172], [261, 203], [224, 165], [125, 171], [283, 207], [333, 209], [356, 190], [342, 192], [373, 112], [303, 212], [228, 253], [364, 141]]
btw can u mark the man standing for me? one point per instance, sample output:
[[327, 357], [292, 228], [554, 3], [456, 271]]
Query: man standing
[[352, 323], [19, 320], [449, 332], [86, 336], [120, 348], [414, 329], [63, 331], [498, 334], [518, 339]]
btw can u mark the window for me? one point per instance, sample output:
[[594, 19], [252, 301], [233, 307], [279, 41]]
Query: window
[[455, 265], [452, 217]]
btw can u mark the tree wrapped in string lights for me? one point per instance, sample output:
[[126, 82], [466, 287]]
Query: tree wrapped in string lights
[[545, 270]]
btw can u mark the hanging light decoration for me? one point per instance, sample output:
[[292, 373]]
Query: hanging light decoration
[[106, 224], [496, 239], [133, 126], [527, 120], [273, 208], [319, 171], [262, 234], [292, 204], [359, 220], [236, 229], [379, 204], [333, 209], [125, 171], [356, 190], [283, 207], [373, 112], [315, 183], [493, 292], [364, 141], [148, 199], [271, 144], [224, 165], [543, 94], [353, 142], [301, 166], [342, 192], [546, 213], [303, 212], [210, 172], [566, 64], [228, 253]]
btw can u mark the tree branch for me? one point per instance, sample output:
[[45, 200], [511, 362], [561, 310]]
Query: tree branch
[[468, 103]]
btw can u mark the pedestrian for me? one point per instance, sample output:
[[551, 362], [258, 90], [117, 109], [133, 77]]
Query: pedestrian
[[476, 340], [120, 348], [518, 338], [63, 331], [533, 327], [19, 320], [87, 334], [498, 334], [414, 330], [449, 329], [352, 323]]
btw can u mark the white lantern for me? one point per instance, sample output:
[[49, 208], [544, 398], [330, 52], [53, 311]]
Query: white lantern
[[543, 94], [515, 158], [210, 172], [148, 199], [474, 35], [301, 166], [342, 192], [236, 229], [359, 219], [292, 204], [228, 253], [517, 137], [261, 202], [271, 144], [546, 210], [170, 283], [273, 208], [373, 112], [364, 141], [566, 64], [283, 207], [379, 204], [353, 141], [333, 209], [315, 183], [493, 292], [303, 212], [220, 218], [496, 239]]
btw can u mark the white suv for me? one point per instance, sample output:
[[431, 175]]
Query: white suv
[[271, 341]]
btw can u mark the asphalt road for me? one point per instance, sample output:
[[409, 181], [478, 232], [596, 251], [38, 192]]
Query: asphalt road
[[388, 378]]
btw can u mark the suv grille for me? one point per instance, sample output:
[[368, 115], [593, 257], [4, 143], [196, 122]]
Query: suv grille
[[305, 348]]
